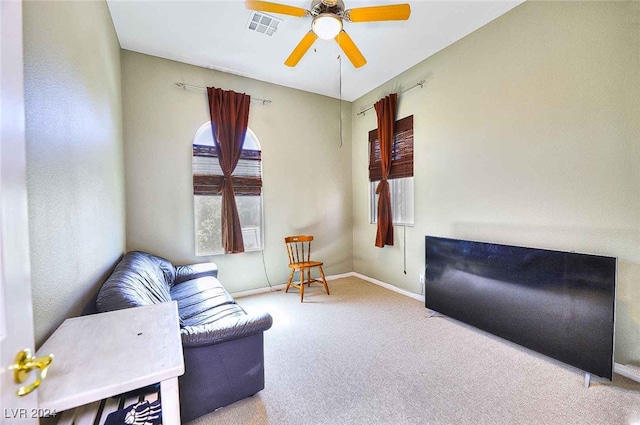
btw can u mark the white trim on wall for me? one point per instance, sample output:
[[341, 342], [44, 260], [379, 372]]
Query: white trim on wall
[[630, 372], [259, 291], [280, 287], [389, 286], [334, 277]]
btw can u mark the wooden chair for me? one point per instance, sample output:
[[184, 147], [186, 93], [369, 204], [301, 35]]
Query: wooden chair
[[299, 251]]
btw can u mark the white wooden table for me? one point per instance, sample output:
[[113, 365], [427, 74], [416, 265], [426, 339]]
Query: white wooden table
[[102, 355]]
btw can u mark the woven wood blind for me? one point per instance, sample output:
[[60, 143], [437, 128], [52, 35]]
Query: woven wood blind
[[401, 153], [208, 176]]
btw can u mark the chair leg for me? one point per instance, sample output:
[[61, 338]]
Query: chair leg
[[301, 284], [324, 280], [309, 277], [290, 280]]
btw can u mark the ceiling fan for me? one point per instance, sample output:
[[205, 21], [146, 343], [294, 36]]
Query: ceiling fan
[[328, 16]]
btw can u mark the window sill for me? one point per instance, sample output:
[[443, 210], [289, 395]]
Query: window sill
[[212, 254], [397, 224]]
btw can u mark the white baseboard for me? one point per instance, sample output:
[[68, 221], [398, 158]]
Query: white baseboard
[[389, 286], [631, 372], [259, 291], [340, 276], [334, 277], [282, 286]]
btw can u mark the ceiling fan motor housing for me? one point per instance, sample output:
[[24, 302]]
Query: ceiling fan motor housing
[[335, 7]]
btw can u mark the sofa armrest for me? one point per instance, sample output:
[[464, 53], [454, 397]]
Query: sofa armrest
[[225, 330], [194, 271]]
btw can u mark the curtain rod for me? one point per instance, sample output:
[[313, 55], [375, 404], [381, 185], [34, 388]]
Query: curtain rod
[[420, 83], [185, 86]]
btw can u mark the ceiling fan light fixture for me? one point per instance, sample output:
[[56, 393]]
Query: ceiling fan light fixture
[[326, 25]]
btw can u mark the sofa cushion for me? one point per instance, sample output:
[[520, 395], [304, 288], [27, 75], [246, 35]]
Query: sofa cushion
[[213, 315], [203, 300], [231, 327], [193, 271], [139, 279]]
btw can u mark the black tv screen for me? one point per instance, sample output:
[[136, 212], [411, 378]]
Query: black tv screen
[[560, 304]]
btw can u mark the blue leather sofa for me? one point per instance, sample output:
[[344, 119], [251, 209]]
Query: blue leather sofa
[[223, 345]]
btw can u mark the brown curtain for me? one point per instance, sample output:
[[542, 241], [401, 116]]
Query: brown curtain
[[229, 119], [386, 112]]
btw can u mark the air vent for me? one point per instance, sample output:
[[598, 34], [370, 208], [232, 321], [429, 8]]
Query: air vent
[[264, 24]]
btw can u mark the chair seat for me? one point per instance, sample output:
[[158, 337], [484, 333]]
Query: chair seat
[[306, 264]]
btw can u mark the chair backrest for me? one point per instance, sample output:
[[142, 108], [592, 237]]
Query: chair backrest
[[298, 248]]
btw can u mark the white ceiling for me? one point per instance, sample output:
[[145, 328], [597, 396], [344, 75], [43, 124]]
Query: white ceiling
[[213, 34]]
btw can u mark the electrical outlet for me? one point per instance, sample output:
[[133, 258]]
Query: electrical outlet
[[422, 278]]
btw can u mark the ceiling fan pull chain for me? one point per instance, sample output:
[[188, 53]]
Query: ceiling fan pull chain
[[340, 94]]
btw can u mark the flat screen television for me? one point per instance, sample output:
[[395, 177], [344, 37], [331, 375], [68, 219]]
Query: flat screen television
[[560, 304]]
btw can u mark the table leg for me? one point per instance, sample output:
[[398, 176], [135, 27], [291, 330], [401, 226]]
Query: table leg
[[170, 401]]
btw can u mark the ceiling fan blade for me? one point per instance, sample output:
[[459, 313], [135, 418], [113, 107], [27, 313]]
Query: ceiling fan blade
[[266, 6], [301, 49], [392, 12], [350, 49]]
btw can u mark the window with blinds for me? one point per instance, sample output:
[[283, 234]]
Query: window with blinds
[[401, 152], [207, 185], [400, 176], [208, 176]]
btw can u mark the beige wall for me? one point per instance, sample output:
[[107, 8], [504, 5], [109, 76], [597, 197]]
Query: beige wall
[[306, 174], [526, 133], [75, 177]]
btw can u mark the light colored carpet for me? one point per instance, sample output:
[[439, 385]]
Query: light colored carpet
[[367, 355]]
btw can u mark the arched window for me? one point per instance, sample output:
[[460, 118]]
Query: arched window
[[207, 200]]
